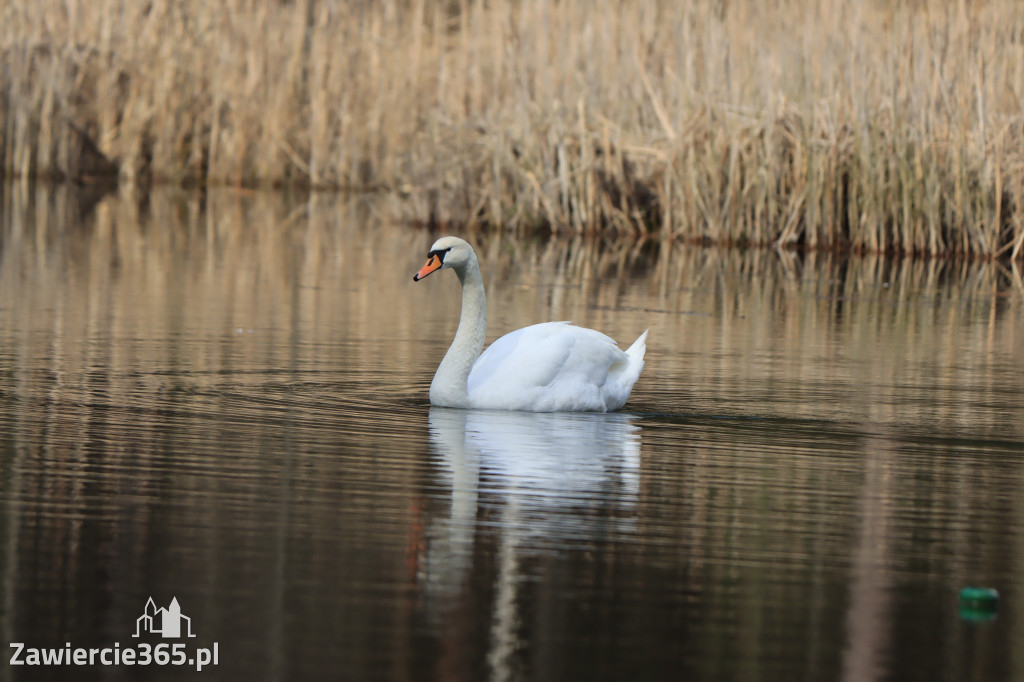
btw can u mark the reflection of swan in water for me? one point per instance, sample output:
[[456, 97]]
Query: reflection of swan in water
[[548, 466], [551, 479]]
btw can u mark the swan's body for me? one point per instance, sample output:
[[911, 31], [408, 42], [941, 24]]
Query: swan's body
[[548, 367]]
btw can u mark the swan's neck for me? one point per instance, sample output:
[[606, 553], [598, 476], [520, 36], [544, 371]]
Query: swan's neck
[[449, 385]]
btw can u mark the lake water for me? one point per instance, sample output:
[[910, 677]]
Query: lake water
[[222, 399]]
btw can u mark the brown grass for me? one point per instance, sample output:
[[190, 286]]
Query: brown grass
[[875, 126]]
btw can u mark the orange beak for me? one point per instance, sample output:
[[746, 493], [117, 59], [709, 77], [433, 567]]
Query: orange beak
[[433, 263]]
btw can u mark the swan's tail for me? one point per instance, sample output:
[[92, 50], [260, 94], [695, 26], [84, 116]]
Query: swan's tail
[[637, 350], [635, 353], [624, 374]]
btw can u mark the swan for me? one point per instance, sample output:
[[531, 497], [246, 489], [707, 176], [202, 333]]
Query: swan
[[547, 367]]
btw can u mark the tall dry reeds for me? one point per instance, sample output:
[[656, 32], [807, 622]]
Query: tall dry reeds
[[873, 125]]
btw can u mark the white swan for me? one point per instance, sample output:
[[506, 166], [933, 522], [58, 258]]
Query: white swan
[[548, 367]]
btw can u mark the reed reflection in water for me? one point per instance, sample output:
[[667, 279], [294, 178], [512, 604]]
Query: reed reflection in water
[[222, 398]]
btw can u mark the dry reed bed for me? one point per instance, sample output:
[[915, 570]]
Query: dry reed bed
[[876, 126]]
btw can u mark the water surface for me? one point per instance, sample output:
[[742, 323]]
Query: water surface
[[221, 398]]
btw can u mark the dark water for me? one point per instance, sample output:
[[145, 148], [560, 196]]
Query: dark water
[[222, 400]]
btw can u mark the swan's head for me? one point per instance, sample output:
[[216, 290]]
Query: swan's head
[[447, 252]]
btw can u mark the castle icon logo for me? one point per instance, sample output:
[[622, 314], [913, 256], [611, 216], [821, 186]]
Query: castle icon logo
[[165, 622]]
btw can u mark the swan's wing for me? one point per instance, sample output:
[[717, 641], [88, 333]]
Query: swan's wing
[[549, 366], [534, 353]]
